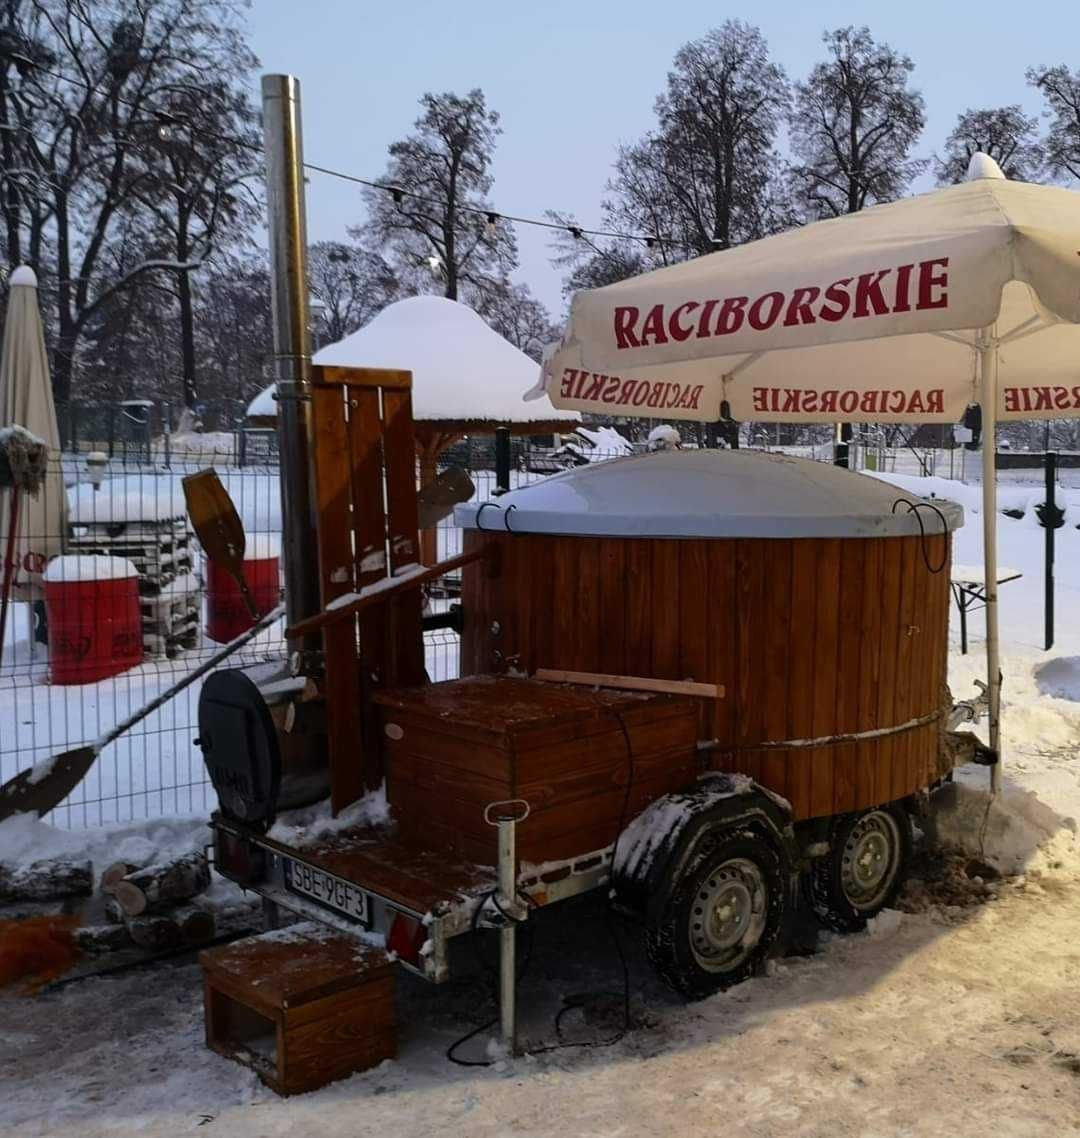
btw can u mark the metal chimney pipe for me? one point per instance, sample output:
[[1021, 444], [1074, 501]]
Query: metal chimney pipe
[[284, 147]]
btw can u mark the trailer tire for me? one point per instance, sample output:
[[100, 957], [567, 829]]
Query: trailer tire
[[864, 869], [723, 914]]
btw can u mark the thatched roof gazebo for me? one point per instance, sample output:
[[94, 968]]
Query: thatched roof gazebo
[[467, 379]]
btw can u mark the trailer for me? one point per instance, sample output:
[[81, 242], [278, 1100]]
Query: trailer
[[709, 683]]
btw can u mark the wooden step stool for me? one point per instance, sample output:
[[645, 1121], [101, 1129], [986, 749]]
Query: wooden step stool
[[302, 1006]]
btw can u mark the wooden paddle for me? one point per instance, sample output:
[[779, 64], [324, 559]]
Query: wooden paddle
[[442, 494], [43, 787], [219, 529]]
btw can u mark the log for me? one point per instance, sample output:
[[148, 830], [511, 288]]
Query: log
[[113, 913], [196, 925], [115, 873], [154, 932], [154, 888], [46, 879], [97, 939]]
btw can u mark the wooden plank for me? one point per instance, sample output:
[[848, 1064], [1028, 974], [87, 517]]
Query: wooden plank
[[869, 670], [587, 634], [565, 555], [390, 378], [891, 618], [746, 693], [906, 642], [694, 602], [718, 613], [406, 642], [665, 610], [611, 608], [848, 670], [827, 625], [802, 642], [631, 683], [640, 606], [541, 629], [776, 682], [333, 484]]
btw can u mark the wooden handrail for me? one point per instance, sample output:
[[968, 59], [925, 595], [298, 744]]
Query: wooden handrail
[[389, 592]]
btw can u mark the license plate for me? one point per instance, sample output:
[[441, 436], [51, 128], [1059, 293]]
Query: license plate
[[328, 890]]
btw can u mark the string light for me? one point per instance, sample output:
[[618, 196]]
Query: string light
[[492, 223], [397, 193]]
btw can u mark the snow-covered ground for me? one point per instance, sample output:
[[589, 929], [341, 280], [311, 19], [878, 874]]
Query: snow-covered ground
[[960, 1016]]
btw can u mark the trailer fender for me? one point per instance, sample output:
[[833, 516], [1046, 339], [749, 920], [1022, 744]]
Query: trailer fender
[[658, 843]]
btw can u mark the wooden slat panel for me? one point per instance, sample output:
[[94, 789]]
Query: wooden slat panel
[[849, 660], [776, 636], [566, 556], [825, 665], [541, 551], [694, 603], [587, 631], [804, 584], [611, 606], [747, 690], [518, 643], [905, 656], [638, 615], [336, 571], [399, 455]]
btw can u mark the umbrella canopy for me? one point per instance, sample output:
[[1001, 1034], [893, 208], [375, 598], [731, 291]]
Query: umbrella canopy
[[903, 312], [26, 399], [466, 377], [872, 317]]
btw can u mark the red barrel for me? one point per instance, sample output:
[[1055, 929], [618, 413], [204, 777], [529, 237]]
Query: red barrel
[[227, 613], [95, 626]]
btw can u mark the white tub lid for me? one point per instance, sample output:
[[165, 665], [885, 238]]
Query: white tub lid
[[89, 567], [711, 493]]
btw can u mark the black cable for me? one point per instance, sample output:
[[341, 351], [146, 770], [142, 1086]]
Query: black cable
[[914, 508]]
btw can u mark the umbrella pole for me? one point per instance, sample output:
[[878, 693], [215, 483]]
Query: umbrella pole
[[9, 564], [988, 368]]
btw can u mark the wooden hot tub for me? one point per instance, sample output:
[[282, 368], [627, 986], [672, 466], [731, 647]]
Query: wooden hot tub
[[794, 584]]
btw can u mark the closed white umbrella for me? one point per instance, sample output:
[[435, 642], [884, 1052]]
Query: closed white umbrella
[[905, 312], [26, 400]]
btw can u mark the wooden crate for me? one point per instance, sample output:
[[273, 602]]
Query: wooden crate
[[570, 752], [301, 1006]]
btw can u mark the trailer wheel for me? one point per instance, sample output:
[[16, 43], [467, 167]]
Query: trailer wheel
[[723, 915], [864, 868]]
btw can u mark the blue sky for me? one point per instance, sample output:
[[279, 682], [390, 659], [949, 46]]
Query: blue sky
[[571, 78]]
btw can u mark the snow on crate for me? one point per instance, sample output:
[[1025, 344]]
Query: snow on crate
[[133, 498], [88, 567]]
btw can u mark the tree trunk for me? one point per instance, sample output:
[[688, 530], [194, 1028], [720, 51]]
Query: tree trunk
[[102, 938], [154, 932], [115, 873], [45, 880], [187, 321], [156, 886], [196, 925], [64, 355]]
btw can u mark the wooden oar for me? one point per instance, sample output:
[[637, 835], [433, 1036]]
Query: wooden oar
[[43, 787], [442, 494], [219, 529]]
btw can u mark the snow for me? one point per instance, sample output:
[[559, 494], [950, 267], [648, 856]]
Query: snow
[[664, 437], [401, 574], [132, 498], [976, 574], [308, 825], [462, 369], [262, 547], [88, 567], [706, 493], [23, 275]]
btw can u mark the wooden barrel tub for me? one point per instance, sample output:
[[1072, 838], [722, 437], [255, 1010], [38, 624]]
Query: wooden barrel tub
[[795, 585]]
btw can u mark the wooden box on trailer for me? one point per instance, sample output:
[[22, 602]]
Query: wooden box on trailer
[[571, 752]]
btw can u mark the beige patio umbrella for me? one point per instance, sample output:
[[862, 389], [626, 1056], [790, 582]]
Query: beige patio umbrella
[[905, 312], [26, 400]]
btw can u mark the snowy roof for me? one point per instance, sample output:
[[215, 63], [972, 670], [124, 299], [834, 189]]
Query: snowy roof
[[131, 498], [708, 493], [463, 370]]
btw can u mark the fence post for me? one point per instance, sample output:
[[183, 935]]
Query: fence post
[[502, 460]]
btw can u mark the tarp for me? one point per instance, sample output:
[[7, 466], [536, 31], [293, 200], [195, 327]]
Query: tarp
[[872, 317], [26, 399]]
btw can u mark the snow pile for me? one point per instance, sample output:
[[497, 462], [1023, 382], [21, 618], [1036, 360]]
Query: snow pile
[[664, 437], [462, 369], [605, 442], [308, 825], [133, 498], [195, 444], [87, 567], [1059, 677]]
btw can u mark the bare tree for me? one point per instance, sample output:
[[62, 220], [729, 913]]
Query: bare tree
[[84, 84], [353, 284], [439, 177], [1006, 134], [1061, 89], [853, 125], [517, 315]]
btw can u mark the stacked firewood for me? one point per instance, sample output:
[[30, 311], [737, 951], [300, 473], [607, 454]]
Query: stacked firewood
[[150, 905]]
